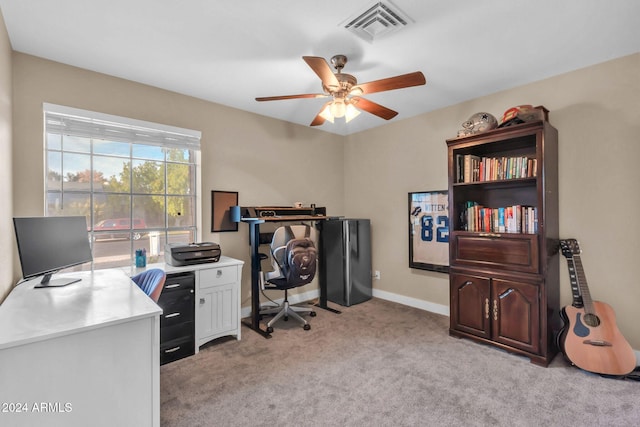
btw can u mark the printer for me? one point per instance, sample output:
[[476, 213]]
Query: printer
[[180, 254]]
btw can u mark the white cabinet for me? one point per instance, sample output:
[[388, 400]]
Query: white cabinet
[[217, 301]]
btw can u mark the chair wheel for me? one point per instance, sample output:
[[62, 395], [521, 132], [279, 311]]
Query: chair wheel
[[286, 318], [312, 314], [269, 329], [306, 327]]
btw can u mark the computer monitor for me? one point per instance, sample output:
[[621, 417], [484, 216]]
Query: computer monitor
[[49, 244]]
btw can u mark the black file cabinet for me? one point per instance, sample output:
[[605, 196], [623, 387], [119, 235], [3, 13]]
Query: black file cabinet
[[177, 322]]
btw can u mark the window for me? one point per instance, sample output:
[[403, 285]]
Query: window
[[136, 182]]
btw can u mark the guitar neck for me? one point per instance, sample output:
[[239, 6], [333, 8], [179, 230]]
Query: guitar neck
[[582, 285], [575, 287]]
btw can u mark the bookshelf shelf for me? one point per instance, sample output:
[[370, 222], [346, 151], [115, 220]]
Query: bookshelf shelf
[[504, 279], [498, 183]]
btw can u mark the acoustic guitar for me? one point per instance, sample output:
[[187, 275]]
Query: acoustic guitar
[[590, 338]]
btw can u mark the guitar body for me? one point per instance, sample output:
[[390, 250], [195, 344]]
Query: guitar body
[[592, 341]]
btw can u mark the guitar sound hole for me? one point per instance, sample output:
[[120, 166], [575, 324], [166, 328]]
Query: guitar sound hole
[[591, 320]]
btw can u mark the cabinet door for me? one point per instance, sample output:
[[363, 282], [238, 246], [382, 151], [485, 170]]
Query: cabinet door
[[217, 311], [513, 252], [515, 313], [470, 304]]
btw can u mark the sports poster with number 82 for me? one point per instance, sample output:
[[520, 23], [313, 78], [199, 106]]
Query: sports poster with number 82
[[429, 230]]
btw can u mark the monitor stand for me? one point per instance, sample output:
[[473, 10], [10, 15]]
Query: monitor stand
[[47, 282]]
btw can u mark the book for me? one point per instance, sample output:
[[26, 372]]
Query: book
[[507, 219], [460, 168], [471, 163]]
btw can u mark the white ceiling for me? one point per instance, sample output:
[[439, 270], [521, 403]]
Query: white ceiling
[[230, 51]]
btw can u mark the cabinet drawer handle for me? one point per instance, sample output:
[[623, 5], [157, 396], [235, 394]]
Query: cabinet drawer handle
[[201, 300], [490, 235], [495, 309], [173, 285], [486, 307], [219, 273], [171, 315], [171, 350]]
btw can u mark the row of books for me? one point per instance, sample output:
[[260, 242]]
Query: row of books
[[472, 168], [509, 219]]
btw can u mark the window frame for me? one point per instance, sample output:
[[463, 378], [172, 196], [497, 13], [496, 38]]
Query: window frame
[[136, 134]]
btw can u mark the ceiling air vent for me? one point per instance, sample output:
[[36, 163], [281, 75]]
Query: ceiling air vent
[[378, 20]]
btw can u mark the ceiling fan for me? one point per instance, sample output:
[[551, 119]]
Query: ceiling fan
[[346, 92]]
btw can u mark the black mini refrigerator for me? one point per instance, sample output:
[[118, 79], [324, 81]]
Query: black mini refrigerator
[[345, 260]]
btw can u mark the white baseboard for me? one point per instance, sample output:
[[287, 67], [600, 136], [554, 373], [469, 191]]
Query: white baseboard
[[389, 296], [412, 302]]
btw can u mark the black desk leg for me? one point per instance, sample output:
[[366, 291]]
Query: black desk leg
[[254, 237]]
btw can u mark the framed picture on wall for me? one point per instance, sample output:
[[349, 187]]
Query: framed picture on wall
[[221, 202], [429, 230]]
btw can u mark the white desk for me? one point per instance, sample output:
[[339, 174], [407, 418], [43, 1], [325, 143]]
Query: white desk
[[83, 354]]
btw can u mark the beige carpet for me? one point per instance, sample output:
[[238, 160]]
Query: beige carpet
[[382, 364]]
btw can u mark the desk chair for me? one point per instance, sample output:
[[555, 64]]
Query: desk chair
[[276, 279], [151, 282]]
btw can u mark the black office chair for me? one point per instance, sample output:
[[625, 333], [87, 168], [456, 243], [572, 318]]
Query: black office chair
[[277, 278], [151, 282]]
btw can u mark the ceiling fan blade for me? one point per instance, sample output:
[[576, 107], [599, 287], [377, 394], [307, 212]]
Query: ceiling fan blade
[[318, 120], [391, 83], [373, 108], [323, 70], [304, 95]]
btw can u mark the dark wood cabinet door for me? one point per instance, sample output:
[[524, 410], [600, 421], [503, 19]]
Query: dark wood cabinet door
[[470, 304], [515, 314], [511, 252]]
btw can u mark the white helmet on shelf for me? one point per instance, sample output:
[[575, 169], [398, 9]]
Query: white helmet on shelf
[[479, 122]]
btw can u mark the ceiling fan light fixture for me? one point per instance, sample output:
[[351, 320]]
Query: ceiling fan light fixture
[[338, 108], [350, 113], [326, 113]]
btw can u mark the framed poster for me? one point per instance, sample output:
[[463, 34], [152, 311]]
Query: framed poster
[[221, 202], [429, 230]]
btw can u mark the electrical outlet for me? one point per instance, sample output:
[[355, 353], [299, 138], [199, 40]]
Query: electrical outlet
[[376, 275]]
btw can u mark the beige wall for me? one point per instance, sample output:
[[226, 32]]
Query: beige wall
[[596, 112], [267, 161], [7, 244]]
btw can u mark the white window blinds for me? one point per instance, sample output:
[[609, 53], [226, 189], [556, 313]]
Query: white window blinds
[[89, 124]]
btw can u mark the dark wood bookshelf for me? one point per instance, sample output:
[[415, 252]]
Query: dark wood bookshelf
[[504, 287]]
